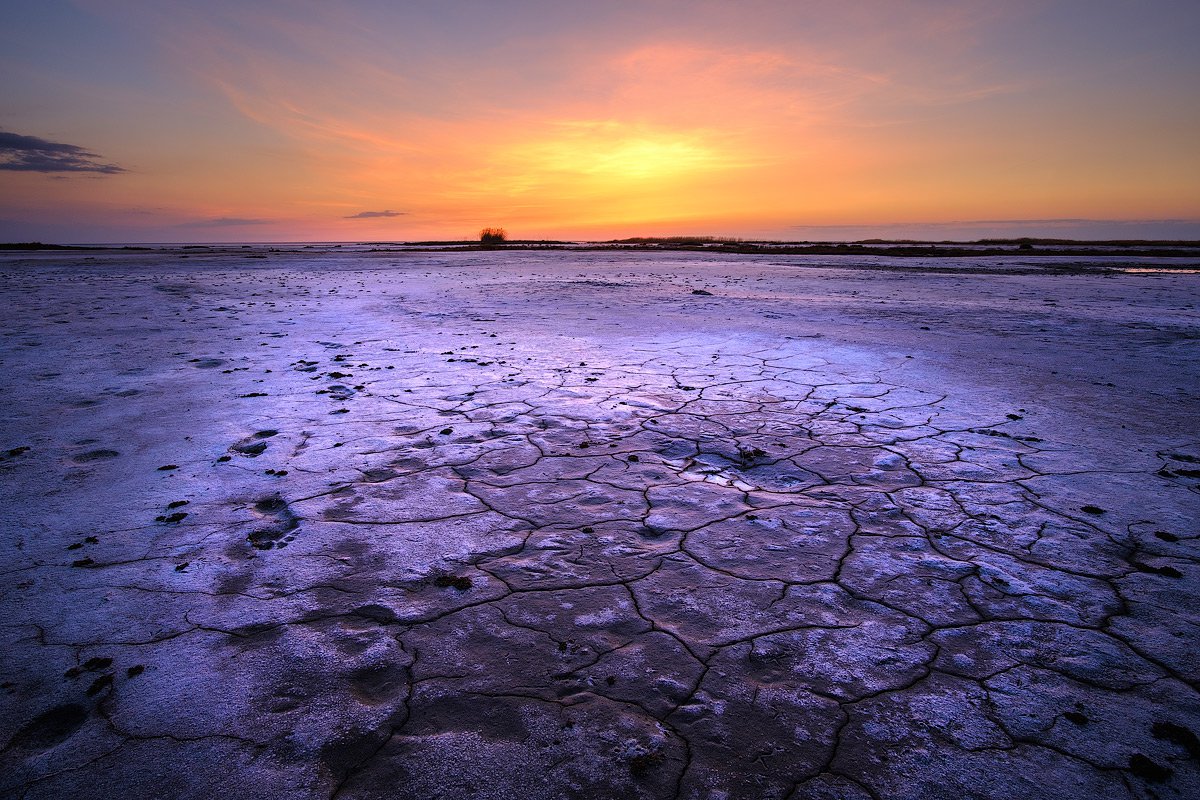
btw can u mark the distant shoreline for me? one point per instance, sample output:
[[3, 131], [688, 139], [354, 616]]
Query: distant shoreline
[[901, 248]]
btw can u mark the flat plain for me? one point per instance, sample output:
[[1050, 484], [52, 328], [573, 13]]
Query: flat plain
[[334, 522]]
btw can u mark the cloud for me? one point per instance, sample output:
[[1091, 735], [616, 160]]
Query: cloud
[[374, 214], [223, 222], [30, 154]]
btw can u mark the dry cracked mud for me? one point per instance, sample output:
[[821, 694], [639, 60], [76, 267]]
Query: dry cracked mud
[[554, 525]]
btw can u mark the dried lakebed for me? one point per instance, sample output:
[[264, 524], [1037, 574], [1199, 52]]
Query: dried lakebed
[[547, 525]]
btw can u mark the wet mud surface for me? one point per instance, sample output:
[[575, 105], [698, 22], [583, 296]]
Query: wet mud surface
[[596, 525]]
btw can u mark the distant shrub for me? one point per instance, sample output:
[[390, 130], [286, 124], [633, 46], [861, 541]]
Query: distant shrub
[[683, 241], [493, 236]]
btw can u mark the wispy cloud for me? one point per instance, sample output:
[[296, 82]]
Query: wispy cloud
[[20, 153], [375, 214]]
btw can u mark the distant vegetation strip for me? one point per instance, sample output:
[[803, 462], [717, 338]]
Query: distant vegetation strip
[[42, 246], [938, 249], [713, 244], [1022, 247], [460, 242]]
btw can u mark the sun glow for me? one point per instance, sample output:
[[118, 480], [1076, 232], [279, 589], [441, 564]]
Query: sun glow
[[613, 152]]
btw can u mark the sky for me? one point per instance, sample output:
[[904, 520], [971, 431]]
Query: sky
[[376, 120]]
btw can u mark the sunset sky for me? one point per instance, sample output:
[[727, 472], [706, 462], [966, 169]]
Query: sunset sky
[[282, 121]]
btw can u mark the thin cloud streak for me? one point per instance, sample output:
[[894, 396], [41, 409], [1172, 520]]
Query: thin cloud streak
[[375, 214]]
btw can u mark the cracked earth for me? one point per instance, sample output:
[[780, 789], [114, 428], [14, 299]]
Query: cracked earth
[[552, 525]]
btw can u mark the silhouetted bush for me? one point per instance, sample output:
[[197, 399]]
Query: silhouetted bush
[[493, 236]]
